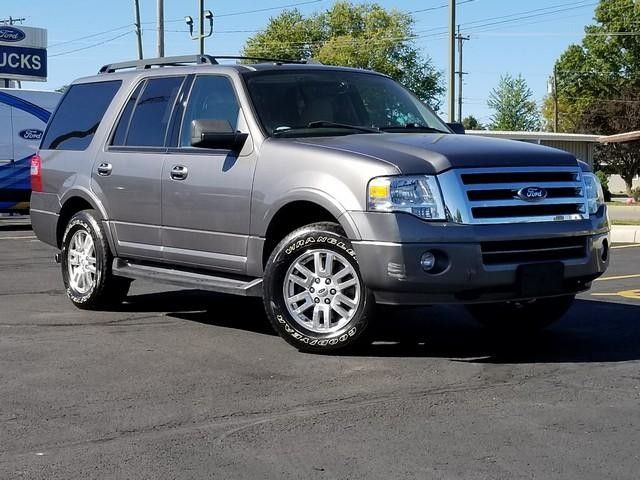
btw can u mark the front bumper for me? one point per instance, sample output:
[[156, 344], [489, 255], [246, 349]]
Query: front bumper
[[392, 245]]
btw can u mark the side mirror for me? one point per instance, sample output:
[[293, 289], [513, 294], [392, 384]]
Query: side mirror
[[216, 134], [457, 128]]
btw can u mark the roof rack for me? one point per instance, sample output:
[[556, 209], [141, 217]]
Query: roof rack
[[261, 59], [156, 62], [185, 60]]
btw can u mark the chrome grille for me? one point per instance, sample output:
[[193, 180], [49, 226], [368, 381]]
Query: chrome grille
[[490, 195]]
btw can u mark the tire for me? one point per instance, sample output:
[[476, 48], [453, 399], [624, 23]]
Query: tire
[[86, 264], [521, 316], [335, 305]]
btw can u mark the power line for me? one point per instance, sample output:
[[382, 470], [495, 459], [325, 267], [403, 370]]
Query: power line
[[268, 9], [91, 46], [439, 7], [522, 15], [66, 42]]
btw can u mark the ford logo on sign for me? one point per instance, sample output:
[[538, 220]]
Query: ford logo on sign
[[11, 34], [31, 134], [532, 194]]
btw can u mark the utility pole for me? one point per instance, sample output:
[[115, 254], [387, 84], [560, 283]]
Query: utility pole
[[452, 60], [12, 20], [160, 28], [136, 10], [461, 38], [555, 99]]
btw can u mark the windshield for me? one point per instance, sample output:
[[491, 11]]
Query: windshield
[[302, 102]]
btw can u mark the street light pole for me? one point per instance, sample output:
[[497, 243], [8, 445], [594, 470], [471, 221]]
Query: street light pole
[[203, 15], [452, 60], [201, 29]]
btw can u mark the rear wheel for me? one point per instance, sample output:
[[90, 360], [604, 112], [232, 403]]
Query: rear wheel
[[314, 294], [86, 264], [521, 316]]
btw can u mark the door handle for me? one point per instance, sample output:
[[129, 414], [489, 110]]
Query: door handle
[[104, 169], [179, 172]]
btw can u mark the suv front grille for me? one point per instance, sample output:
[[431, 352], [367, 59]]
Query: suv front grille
[[492, 194], [522, 251]]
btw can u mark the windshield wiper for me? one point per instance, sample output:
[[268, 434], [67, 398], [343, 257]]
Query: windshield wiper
[[412, 127], [326, 124], [291, 131]]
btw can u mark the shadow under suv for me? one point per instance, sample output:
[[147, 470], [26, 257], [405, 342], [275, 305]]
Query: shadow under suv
[[324, 190]]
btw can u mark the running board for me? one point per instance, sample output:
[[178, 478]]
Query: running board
[[251, 287]]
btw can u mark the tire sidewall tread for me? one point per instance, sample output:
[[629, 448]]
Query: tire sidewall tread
[[107, 289], [329, 236]]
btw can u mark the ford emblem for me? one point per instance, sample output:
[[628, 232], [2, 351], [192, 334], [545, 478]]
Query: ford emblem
[[532, 194], [11, 34], [31, 134]]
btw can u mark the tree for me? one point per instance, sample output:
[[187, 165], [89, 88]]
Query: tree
[[598, 83], [354, 35], [515, 109], [472, 123], [608, 117]]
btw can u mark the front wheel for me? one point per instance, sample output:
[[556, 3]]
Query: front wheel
[[521, 316], [314, 294]]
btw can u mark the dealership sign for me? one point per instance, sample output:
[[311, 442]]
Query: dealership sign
[[23, 53]]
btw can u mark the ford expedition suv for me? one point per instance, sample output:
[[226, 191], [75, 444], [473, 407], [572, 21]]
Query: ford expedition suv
[[324, 190]]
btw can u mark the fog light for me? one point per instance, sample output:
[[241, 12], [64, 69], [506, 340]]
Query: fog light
[[428, 261]]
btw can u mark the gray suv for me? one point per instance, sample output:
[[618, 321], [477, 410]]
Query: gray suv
[[323, 190]]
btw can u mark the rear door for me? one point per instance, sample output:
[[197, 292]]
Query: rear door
[[206, 193], [128, 172]]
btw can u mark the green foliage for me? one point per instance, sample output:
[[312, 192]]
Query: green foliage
[[603, 66], [355, 35], [635, 194], [598, 84], [472, 123], [513, 105], [604, 181]]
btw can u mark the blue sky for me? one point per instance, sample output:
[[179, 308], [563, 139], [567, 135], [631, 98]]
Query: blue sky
[[527, 44]]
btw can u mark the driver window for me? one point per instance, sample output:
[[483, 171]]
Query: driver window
[[212, 98]]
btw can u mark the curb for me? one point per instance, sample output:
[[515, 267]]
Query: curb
[[625, 234]]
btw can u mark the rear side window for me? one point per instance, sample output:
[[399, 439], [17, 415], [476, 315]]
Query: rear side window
[[123, 125], [152, 112], [79, 115]]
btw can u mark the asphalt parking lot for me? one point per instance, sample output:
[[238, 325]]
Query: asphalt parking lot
[[193, 385]]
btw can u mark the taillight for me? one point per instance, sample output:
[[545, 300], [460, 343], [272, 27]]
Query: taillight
[[36, 173]]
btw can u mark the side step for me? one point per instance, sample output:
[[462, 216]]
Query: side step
[[250, 287]]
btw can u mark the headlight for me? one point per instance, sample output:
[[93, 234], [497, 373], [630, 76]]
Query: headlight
[[595, 195], [418, 195]]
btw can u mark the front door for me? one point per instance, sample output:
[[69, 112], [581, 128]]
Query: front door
[[128, 174], [206, 193]]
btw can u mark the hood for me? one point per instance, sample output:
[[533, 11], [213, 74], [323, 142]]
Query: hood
[[429, 153]]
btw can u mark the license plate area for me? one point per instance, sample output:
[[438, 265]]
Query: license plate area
[[540, 279]]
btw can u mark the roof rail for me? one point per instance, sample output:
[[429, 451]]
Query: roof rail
[[153, 62], [187, 59], [260, 59]]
